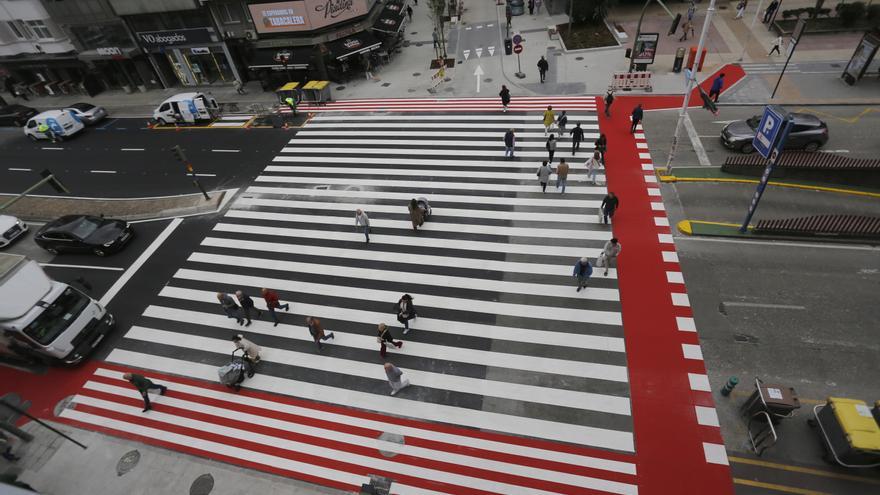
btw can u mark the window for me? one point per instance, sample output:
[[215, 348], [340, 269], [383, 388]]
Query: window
[[229, 13], [39, 29], [14, 28]]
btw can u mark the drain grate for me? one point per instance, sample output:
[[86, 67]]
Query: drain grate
[[127, 462], [385, 85], [202, 485]]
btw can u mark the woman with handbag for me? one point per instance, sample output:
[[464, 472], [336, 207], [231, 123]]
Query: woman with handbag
[[385, 336], [405, 311]]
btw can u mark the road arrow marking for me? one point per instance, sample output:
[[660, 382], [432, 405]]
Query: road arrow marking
[[466, 53], [478, 73], [480, 26], [479, 52], [467, 28], [491, 51], [489, 25]]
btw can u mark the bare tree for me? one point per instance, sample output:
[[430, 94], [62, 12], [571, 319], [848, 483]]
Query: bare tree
[[436, 9]]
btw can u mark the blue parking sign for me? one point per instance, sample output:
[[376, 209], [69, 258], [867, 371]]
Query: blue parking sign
[[769, 129]]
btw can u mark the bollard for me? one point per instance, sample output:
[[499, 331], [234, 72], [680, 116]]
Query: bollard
[[728, 387]]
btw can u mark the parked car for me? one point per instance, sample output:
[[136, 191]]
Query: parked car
[[16, 115], [84, 233], [11, 228], [88, 113], [60, 123], [809, 133]]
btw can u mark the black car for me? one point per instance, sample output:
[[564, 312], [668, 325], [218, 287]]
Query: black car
[[808, 134], [16, 115], [84, 233]]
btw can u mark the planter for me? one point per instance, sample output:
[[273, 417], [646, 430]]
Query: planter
[[821, 25], [586, 37]]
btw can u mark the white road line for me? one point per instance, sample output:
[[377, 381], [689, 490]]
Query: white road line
[[228, 124], [695, 141], [403, 151], [458, 118], [206, 175], [131, 149], [89, 267], [434, 125], [761, 305], [226, 151], [809, 245], [531, 166], [305, 133], [332, 144], [14, 169], [53, 149], [139, 262], [103, 171], [569, 433]]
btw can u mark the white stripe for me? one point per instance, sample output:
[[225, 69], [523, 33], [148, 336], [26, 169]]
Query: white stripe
[[402, 151], [408, 240], [707, 416], [84, 267], [496, 145], [583, 110], [715, 453], [363, 160], [685, 324], [581, 369], [460, 186], [132, 149], [103, 171], [226, 151], [661, 221], [430, 226], [699, 382], [206, 175], [308, 132], [489, 307], [645, 156], [247, 201], [390, 427], [674, 277], [551, 100], [651, 179], [643, 146], [228, 124], [658, 207], [348, 123], [396, 257], [419, 172], [654, 191], [665, 238], [325, 452], [691, 351], [648, 167], [680, 299], [237, 117], [215, 448], [582, 435], [487, 331], [670, 256], [439, 381], [14, 169], [52, 149], [555, 201]]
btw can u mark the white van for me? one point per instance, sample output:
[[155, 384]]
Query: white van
[[45, 319], [187, 108], [62, 123]]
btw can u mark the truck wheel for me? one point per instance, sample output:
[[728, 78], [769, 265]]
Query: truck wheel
[[33, 138], [811, 146], [747, 148], [162, 121], [99, 252]]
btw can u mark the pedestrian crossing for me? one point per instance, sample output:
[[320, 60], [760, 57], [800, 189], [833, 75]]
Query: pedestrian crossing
[[518, 104], [519, 382]]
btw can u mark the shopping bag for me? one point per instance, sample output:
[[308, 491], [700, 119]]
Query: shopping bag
[[600, 261], [600, 215]]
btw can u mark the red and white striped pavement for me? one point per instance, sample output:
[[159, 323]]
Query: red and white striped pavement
[[341, 447], [517, 104]]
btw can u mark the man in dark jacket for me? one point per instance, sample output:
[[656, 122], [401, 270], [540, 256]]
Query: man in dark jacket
[[582, 270], [505, 97], [543, 67], [247, 307], [229, 307], [609, 206], [144, 385], [509, 141], [609, 99], [577, 135], [637, 115], [717, 85]]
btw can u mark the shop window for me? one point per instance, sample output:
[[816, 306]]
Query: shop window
[[15, 30], [39, 28], [229, 13]]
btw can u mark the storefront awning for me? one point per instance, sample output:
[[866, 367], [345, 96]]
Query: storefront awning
[[352, 45], [265, 58], [390, 20], [122, 53]]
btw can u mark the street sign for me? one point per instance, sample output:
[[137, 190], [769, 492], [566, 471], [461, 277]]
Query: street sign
[[517, 39], [767, 133], [517, 49], [784, 127]]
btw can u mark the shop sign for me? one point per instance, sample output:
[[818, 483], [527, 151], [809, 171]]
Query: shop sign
[[153, 39], [304, 15], [204, 50], [352, 43], [109, 51]]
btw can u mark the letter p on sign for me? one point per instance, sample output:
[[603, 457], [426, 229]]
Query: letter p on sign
[[769, 124]]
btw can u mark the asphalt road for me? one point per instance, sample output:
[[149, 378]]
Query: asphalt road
[[123, 158]]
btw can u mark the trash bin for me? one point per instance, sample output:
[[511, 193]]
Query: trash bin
[[679, 60], [508, 46]]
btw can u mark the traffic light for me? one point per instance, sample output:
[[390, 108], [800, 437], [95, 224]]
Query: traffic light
[[55, 183], [708, 104], [674, 25], [177, 151]]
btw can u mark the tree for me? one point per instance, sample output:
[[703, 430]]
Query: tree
[[435, 12]]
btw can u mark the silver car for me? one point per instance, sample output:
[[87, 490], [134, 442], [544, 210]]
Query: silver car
[[11, 228], [88, 113]]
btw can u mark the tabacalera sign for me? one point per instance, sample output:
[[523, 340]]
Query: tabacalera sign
[[304, 15]]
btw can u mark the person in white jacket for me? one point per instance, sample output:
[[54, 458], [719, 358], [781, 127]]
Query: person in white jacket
[[251, 350], [362, 220], [609, 253], [593, 164]]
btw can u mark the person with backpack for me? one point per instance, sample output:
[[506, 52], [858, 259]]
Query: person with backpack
[[577, 135], [561, 122], [416, 214], [551, 148], [582, 270], [505, 98], [543, 67]]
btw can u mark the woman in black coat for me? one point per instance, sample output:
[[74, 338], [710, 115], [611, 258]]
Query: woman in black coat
[[405, 311]]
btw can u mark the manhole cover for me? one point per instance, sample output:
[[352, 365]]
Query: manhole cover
[[417, 74], [418, 44], [340, 88], [392, 438], [411, 90], [488, 80], [127, 462], [65, 403], [386, 84], [202, 485], [579, 58]]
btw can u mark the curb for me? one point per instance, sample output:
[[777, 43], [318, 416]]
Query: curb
[[700, 228], [853, 192]]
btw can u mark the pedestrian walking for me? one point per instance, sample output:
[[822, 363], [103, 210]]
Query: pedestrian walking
[[385, 337], [416, 214], [538, 4], [251, 352], [368, 67], [717, 85], [509, 14], [692, 9], [609, 99], [601, 146], [582, 270], [509, 142], [543, 67], [577, 135], [609, 206], [291, 104], [531, 7], [740, 9], [405, 311], [239, 87], [363, 221], [549, 118], [544, 175], [505, 98], [247, 306], [144, 385], [551, 148], [409, 12], [771, 9], [395, 378], [229, 307], [688, 26], [637, 115], [775, 46], [561, 122], [273, 303], [593, 164], [436, 38], [609, 254], [561, 175], [317, 331]]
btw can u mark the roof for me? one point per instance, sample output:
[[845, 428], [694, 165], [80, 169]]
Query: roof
[[22, 284], [49, 113], [181, 96]]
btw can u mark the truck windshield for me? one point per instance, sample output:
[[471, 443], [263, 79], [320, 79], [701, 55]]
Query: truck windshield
[[57, 316]]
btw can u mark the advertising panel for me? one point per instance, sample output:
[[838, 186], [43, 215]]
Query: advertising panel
[[645, 48], [304, 15]]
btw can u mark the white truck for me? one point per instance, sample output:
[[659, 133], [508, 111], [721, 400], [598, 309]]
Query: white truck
[[187, 108], [45, 319]]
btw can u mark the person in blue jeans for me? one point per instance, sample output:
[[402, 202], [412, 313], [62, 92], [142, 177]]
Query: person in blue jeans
[[717, 85], [609, 206], [361, 219], [509, 141], [582, 270]]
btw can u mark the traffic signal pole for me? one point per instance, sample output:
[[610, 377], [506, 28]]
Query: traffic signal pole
[[689, 86], [180, 156], [48, 178]]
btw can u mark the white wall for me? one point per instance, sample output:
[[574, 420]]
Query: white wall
[[29, 10]]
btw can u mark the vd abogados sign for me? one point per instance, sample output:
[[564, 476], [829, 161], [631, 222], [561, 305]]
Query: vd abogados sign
[[304, 15], [154, 39]]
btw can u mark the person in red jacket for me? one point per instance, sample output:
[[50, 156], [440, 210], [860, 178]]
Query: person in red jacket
[[272, 303]]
